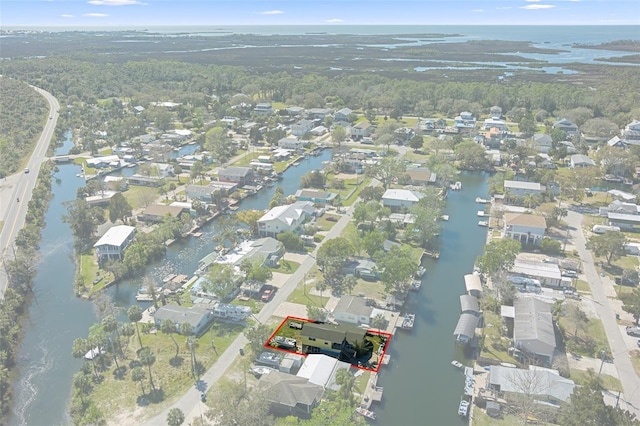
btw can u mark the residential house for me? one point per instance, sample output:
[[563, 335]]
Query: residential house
[[547, 274], [497, 123], [289, 217], [352, 310], [526, 228], [495, 112], [155, 213], [290, 143], [342, 115], [114, 242], [102, 198], [263, 109], [268, 249], [322, 370], [465, 121], [533, 332], [616, 142], [399, 199], [631, 132], [420, 176], [581, 160], [294, 110], [361, 130], [571, 129], [198, 318], [522, 189], [338, 341], [289, 394], [627, 222], [318, 113], [319, 131], [162, 169], [301, 128], [141, 180], [316, 196], [207, 193], [545, 386], [102, 162], [542, 142], [402, 135], [465, 329], [569, 146], [239, 175]]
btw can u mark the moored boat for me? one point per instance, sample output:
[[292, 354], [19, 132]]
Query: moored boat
[[420, 272], [457, 364], [415, 285], [366, 413], [483, 223], [463, 408]]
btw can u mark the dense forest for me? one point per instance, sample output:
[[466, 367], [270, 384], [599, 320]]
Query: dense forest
[[22, 115]]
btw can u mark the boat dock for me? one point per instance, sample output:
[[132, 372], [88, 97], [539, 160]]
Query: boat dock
[[372, 393]]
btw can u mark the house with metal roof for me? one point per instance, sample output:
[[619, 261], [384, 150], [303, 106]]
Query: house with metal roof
[[465, 329], [198, 318], [157, 212], [526, 228], [289, 394], [353, 310], [581, 160], [533, 332], [542, 142], [361, 130], [399, 199], [469, 304], [420, 176], [548, 274], [289, 217], [322, 370], [301, 128], [522, 189], [239, 175], [566, 126], [114, 242], [473, 284], [316, 196], [543, 384]]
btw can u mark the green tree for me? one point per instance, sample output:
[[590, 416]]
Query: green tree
[[235, 404], [138, 375], [291, 241], [416, 142], [471, 156], [313, 179], [175, 417], [148, 358], [527, 125], [135, 314], [316, 313], [586, 407], [386, 170], [218, 143], [379, 322], [397, 268], [257, 336], [631, 303], [250, 218], [169, 327], [221, 280], [610, 245], [82, 222], [373, 241], [338, 136], [371, 193], [197, 170], [349, 282], [278, 197], [119, 208], [110, 325], [499, 256]]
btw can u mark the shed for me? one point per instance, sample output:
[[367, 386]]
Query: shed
[[473, 284], [469, 304], [466, 327]]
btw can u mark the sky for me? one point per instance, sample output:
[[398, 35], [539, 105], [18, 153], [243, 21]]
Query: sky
[[143, 13]]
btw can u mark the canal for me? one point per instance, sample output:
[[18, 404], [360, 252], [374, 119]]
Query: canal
[[420, 384]]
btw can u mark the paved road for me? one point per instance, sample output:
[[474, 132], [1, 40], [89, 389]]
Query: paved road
[[20, 186], [628, 378]]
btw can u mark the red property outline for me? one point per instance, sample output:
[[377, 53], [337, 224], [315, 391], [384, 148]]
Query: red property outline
[[370, 331]]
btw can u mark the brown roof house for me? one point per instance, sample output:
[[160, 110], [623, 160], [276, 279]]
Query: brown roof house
[[289, 394], [524, 227], [157, 212]]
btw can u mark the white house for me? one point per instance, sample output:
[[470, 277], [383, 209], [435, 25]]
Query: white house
[[361, 130], [398, 199], [263, 109], [631, 132], [114, 242], [353, 310], [497, 123], [465, 120], [548, 274], [322, 369], [546, 386], [197, 318], [285, 218], [581, 160], [290, 143], [301, 128], [526, 228], [163, 169], [522, 189]]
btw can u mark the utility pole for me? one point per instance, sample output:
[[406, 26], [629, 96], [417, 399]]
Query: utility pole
[[602, 354]]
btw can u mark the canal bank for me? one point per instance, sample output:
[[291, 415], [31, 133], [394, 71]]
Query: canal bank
[[420, 384]]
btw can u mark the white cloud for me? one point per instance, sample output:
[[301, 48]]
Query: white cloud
[[114, 2], [334, 21], [272, 12], [504, 8], [66, 15], [532, 1], [537, 6], [95, 15], [478, 10]]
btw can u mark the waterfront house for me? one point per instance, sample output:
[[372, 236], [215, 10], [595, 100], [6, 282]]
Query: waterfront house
[[301, 128], [289, 217], [399, 199], [581, 160], [239, 175], [268, 249], [571, 129], [342, 115], [156, 213], [198, 318], [465, 121], [102, 198], [522, 189], [526, 228], [318, 113], [631, 133], [289, 394], [533, 332], [542, 142], [322, 370], [361, 130], [102, 162], [338, 341], [352, 310], [204, 193], [547, 274], [420, 176], [545, 386], [316, 196], [495, 123], [294, 111], [141, 180], [465, 329], [290, 143], [114, 242], [162, 169]]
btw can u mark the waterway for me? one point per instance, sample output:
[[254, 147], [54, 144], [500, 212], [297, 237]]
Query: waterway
[[420, 384]]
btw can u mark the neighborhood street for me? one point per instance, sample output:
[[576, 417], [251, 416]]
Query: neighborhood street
[[20, 187], [619, 350]]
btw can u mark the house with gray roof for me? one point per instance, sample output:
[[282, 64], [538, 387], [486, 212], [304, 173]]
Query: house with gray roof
[[465, 329], [469, 304], [114, 242], [318, 113], [269, 249], [198, 318], [289, 394], [337, 341], [361, 130], [353, 310], [533, 332], [566, 126], [342, 114], [542, 142], [543, 384], [581, 160], [285, 218], [316, 196], [399, 199], [522, 189], [239, 175], [301, 128]]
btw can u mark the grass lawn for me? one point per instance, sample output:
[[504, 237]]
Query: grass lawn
[[588, 340], [137, 195], [495, 346], [170, 374], [90, 272], [301, 295], [1, 225], [622, 290], [325, 223], [634, 355], [618, 265], [583, 287], [480, 418], [608, 382], [373, 289], [361, 382], [286, 266]]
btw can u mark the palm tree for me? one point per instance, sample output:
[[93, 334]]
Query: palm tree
[[175, 417], [169, 327], [148, 358], [192, 344], [110, 325], [82, 384], [138, 375], [135, 314]]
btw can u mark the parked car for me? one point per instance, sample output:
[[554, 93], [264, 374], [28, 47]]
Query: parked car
[[203, 397], [570, 274], [267, 295], [332, 219], [633, 331], [638, 343]]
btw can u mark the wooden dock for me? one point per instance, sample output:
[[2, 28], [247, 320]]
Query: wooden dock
[[373, 392]]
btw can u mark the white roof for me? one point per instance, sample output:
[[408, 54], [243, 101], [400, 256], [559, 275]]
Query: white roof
[[115, 236], [321, 370], [546, 382], [288, 213], [536, 269], [621, 194], [472, 282], [402, 195], [516, 184]]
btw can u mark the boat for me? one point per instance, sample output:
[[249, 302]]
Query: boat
[[260, 370], [481, 200], [408, 321], [481, 213], [415, 285], [366, 413], [463, 408], [457, 364], [420, 272], [483, 223]]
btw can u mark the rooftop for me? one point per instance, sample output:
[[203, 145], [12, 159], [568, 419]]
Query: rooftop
[[353, 305], [524, 219], [115, 236]]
